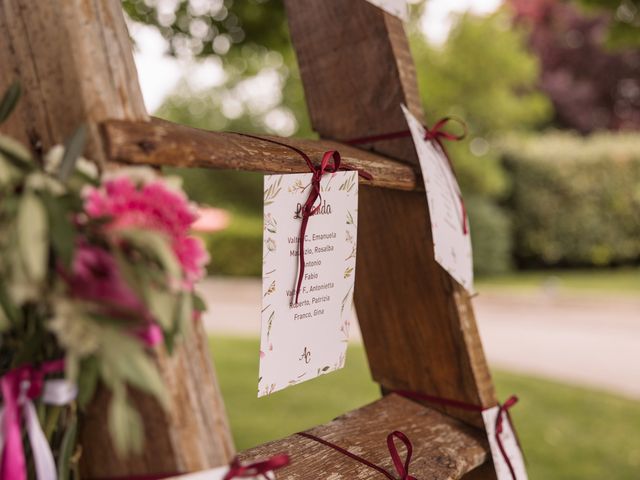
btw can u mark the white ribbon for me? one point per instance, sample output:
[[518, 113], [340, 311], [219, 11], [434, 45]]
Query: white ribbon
[[55, 392]]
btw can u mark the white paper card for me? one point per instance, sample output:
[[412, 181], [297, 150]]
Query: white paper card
[[451, 240], [398, 8], [510, 444], [217, 474], [308, 339]]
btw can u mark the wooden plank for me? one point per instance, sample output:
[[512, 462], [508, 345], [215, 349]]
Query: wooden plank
[[73, 59], [167, 144], [417, 323], [443, 448]]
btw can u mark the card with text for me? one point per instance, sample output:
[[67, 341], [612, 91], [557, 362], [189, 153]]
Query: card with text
[[509, 443], [398, 8], [449, 222], [300, 341]]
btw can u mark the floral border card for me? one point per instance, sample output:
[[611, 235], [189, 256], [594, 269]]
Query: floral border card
[[509, 443], [304, 340], [398, 8], [449, 222]]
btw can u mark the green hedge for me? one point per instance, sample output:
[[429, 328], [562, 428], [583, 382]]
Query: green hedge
[[237, 250], [490, 236], [575, 201]]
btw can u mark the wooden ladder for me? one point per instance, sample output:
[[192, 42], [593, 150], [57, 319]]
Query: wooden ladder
[[74, 60]]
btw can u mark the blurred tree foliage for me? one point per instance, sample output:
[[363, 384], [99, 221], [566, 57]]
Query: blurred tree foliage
[[592, 86], [484, 75], [624, 30]]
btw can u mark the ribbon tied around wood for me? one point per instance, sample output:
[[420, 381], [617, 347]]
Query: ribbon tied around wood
[[250, 470]]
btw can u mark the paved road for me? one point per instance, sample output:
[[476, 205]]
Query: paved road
[[594, 341]]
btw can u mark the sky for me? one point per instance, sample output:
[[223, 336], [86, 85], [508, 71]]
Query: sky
[[159, 74]]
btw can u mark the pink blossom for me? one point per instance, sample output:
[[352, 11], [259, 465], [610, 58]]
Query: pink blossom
[[95, 278], [151, 335], [151, 206]]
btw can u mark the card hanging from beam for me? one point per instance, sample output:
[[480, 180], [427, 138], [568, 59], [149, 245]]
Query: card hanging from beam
[[399, 8], [449, 222], [304, 339]]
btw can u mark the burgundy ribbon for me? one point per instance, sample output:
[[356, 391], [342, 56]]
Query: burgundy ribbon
[[437, 133], [402, 468], [330, 163], [237, 470], [13, 463], [503, 410]]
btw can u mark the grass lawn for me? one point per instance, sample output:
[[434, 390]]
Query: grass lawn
[[567, 432], [605, 281]]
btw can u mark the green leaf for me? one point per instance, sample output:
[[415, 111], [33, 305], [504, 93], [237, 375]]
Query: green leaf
[[15, 153], [198, 303], [87, 381], [5, 324], [8, 310], [73, 148], [124, 358], [33, 242], [67, 448], [156, 245], [125, 424], [9, 101], [162, 305], [63, 233]]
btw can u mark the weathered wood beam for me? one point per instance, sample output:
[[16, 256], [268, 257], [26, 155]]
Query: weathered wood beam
[[417, 322], [73, 59], [164, 143], [443, 448]]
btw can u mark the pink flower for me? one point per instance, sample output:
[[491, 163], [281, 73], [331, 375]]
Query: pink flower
[[151, 205], [95, 278], [151, 335]]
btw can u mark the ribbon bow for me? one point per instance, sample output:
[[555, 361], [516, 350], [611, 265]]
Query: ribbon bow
[[437, 133], [330, 163], [237, 470], [19, 387], [401, 468]]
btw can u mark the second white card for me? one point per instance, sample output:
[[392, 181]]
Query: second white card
[[449, 222]]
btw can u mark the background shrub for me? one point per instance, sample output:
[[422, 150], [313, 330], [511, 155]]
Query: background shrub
[[490, 236], [575, 200]]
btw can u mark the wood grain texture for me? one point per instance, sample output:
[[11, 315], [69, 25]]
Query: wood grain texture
[[73, 59], [164, 143], [443, 448], [417, 322], [193, 435]]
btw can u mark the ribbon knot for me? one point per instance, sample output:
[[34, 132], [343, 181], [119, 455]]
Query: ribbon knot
[[438, 133], [330, 163], [237, 470], [18, 387], [402, 469]]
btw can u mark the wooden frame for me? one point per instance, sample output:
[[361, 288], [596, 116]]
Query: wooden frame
[[417, 323]]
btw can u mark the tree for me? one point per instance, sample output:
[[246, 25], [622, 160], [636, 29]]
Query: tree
[[592, 87], [484, 75]]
